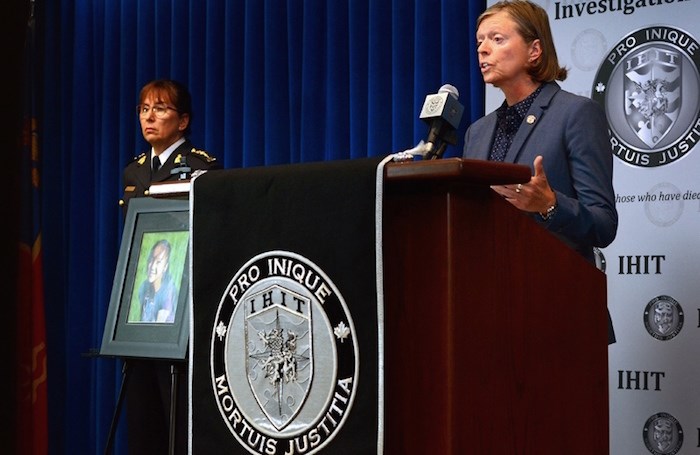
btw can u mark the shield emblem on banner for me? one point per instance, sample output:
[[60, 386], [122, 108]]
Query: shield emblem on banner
[[652, 92], [279, 353]]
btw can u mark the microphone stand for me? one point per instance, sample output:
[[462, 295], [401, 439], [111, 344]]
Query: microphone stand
[[437, 146]]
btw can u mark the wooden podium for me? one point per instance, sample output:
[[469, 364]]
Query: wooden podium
[[495, 331]]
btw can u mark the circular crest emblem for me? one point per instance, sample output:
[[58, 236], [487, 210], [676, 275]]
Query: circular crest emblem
[[587, 48], [661, 211], [284, 356], [649, 84], [663, 434], [434, 104], [663, 318]]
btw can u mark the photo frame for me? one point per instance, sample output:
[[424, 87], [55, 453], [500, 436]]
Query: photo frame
[[148, 314]]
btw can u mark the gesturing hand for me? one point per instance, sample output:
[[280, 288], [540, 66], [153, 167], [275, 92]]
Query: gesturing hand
[[534, 196]]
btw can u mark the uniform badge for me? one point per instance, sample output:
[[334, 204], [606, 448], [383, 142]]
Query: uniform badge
[[203, 155], [140, 158]]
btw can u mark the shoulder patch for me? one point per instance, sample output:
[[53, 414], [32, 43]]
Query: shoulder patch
[[203, 155]]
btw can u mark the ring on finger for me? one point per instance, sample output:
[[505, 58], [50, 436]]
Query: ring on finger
[[518, 188]]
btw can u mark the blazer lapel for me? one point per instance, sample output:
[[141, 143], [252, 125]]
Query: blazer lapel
[[532, 120], [482, 140], [142, 175], [163, 173]]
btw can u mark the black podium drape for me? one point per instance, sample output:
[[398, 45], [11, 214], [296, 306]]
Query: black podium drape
[[284, 348]]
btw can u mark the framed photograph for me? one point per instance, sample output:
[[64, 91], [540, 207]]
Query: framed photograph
[[148, 314]]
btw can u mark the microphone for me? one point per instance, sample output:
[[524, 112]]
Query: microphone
[[443, 112]]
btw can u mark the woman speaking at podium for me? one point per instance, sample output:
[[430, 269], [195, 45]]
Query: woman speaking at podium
[[562, 136]]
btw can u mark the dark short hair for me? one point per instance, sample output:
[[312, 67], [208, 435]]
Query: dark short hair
[[162, 242], [532, 23], [170, 91]]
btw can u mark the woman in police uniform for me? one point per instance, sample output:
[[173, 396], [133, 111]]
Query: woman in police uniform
[[165, 112]]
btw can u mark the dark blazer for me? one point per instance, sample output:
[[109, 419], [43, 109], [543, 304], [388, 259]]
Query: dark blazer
[[137, 176], [571, 134]]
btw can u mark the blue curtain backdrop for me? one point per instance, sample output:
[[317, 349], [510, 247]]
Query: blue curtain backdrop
[[272, 81]]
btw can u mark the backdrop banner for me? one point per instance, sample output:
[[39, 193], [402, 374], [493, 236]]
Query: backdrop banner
[[284, 343], [641, 61]]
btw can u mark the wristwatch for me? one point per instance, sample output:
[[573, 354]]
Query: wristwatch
[[549, 213]]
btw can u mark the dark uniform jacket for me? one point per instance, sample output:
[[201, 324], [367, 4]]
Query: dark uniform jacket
[[137, 176]]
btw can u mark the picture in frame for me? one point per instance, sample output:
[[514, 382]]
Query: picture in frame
[[148, 314]]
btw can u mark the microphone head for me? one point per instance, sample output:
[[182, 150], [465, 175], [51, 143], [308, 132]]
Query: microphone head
[[451, 89], [443, 106]]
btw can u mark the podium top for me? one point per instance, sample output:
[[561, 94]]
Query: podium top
[[477, 172], [169, 188]]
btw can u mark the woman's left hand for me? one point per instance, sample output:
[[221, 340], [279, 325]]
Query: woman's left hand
[[533, 196]]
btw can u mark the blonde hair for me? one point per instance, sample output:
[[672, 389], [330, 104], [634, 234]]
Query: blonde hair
[[532, 23]]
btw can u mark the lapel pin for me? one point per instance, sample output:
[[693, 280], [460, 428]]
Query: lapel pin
[[531, 119]]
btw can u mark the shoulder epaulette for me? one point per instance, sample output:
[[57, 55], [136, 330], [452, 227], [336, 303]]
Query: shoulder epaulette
[[203, 155]]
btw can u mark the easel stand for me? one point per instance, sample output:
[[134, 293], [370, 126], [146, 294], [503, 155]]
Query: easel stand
[[174, 382], [174, 374], [117, 409]]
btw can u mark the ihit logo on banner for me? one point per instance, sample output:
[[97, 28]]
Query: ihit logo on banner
[[663, 317], [652, 96], [284, 356], [663, 434], [649, 84]]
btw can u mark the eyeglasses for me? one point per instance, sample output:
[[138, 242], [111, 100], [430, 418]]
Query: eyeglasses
[[159, 110]]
